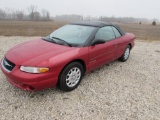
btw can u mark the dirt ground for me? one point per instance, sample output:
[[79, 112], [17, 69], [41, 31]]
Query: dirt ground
[[118, 91]]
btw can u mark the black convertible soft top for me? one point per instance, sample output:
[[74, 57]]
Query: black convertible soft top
[[98, 24]]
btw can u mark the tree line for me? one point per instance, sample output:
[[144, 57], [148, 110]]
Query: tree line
[[31, 13], [103, 18]]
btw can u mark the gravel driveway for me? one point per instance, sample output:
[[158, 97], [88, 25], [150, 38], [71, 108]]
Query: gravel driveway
[[127, 91]]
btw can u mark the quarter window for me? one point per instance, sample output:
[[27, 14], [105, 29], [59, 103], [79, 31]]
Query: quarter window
[[105, 33], [117, 34]]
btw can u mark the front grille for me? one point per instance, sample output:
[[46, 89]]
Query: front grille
[[8, 65]]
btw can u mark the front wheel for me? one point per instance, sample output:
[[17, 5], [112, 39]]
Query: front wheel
[[71, 76], [126, 54]]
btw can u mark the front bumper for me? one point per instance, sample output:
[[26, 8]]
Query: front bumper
[[31, 82]]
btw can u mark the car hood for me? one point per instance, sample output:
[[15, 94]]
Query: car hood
[[35, 52]]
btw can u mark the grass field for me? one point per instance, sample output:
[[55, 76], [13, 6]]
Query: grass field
[[29, 28], [143, 31]]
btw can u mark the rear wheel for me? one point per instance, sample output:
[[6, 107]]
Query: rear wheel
[[126, 54], [71, 76]]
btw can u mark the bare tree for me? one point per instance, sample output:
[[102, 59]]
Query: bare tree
[[20, 15], [32, 10], [37, 16], [2, 14], [45, 15], [32, 14], [48, 16], [43, 12], [10, 14]]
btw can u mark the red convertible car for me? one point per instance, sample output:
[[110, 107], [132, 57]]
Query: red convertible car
[[62, 58]]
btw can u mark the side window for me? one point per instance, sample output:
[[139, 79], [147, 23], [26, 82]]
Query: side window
[[105, 33], [117, 33]]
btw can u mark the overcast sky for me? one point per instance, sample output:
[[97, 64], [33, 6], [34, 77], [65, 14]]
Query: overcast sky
[[118, 8]]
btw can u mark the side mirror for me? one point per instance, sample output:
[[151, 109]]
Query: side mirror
[[98, 41]]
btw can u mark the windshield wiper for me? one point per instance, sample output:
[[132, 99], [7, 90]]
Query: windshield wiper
[[62, 41], [49, 39], [52, 40]]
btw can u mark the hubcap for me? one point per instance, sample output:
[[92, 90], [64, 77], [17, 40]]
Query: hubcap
[[126, 54], [73, 77]]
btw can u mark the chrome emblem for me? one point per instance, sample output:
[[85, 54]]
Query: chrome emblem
[[7, 64]]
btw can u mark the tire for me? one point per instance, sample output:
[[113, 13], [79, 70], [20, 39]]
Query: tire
[[126, 54], [71, 76]]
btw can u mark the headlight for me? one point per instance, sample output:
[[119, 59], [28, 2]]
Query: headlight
[[34, 69]]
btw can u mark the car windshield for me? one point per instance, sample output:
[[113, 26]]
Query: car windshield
[[72, 34]]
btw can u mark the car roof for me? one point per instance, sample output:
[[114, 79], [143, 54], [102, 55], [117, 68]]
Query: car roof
[[98, 24], [92, 23]]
